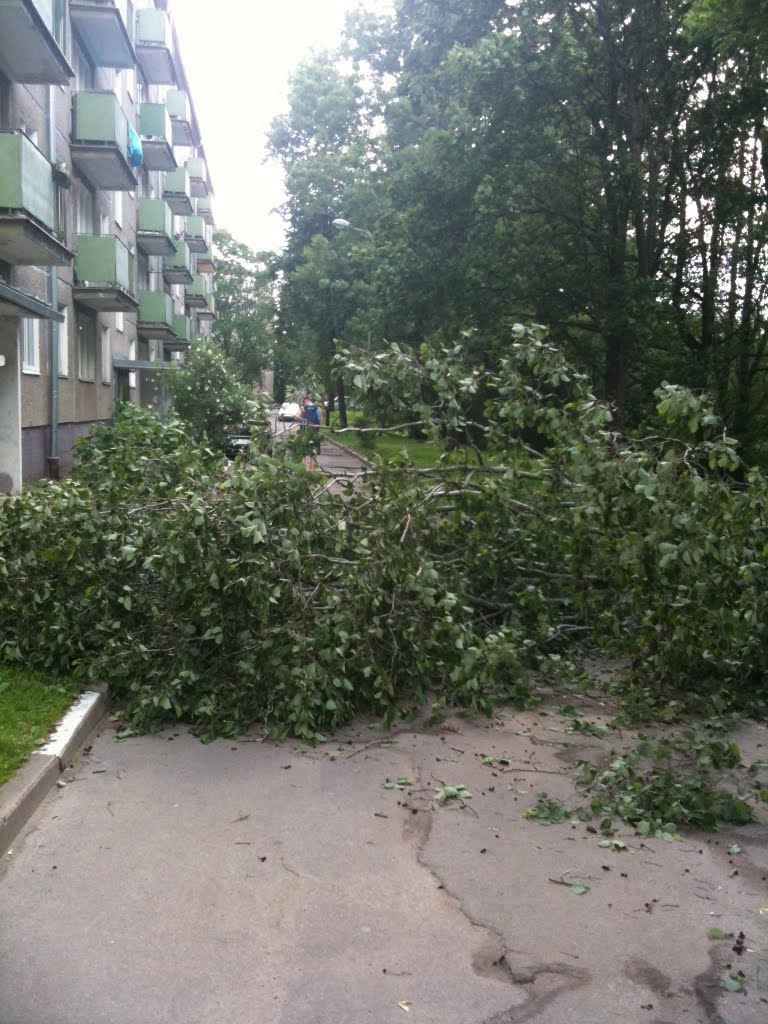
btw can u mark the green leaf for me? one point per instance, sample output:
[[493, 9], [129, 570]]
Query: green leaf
[[579, 888]]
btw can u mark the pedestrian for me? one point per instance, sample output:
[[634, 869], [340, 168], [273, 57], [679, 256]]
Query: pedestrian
[[310, 419]]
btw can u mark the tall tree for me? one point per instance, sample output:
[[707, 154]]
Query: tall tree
[[245, 305]]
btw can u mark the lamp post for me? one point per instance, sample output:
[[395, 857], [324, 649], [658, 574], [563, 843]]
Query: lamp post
[[344, 225]]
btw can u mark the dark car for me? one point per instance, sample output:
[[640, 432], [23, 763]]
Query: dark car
[[238, 439]]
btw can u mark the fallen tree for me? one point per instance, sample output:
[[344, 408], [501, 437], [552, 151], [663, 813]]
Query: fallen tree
[[263, 598]]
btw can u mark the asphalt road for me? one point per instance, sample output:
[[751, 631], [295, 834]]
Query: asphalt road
[[171, 881]]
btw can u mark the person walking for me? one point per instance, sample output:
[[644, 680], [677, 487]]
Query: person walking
[[310, 419]]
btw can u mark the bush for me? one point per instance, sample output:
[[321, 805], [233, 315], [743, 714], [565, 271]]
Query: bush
[[209, 394]]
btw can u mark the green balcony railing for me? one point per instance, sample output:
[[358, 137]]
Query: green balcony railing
[[198, 176], [177, 269], [98, 117], [103, 261], [182, 327], [177, 192], [154, 122], [26, 179], [154, 46], [195, 233], [204, 261], [155, 217], [153, 27], [155, 312], [177, 102], [205, 209]]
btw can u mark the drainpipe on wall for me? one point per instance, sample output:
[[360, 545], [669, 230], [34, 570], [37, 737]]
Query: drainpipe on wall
[[53, 298]]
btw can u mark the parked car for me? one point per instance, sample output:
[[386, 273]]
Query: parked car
[[289, 411], [238, 439]]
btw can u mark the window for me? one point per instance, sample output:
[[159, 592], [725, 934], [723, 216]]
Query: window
[[118, 206], [84, 212], [60, 212], [120, 322], [132, 374], [106, 357], [104, 224], [30, 346], [86, 349], [117, 84], [64, 343], [130, 82], [83, 73]]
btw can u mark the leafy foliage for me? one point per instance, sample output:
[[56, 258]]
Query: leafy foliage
[[245, 305], [209, 393], [263, 597]]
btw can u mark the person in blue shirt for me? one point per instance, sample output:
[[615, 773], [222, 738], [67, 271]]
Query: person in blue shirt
[[310, 419]]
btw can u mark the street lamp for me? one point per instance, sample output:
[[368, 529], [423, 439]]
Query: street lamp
[[344, 225]]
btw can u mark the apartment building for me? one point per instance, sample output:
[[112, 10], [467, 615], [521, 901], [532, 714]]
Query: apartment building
[[106, 269]]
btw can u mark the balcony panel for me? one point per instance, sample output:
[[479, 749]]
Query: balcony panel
[[182, 328], [205, 210], [177, 268], [195, 234], [204, 262], [154, 47], [198, 177], [156, 137], [156, 316], [104, 275], [29, 51], [176, 192], [207, 312], [27, 208], [100, 141], [177, 102], [195, 293], [154, 229], [102, 26]]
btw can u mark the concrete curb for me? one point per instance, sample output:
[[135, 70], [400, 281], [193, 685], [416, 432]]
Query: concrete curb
[[22, 795]]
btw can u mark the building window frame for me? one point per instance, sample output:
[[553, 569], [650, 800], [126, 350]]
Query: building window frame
[[86, 349], [64, 343], [30, 346], [106, 356]]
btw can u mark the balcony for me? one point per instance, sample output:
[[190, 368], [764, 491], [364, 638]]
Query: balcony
[[154, 228], [100, 141], [104, 29], [207, 312], [195, 234], [156, 316], [104, 275], [177, 269], [182, 328], [176, 192], [28, 220], [156, 137], [204, 262], [177, 102], [154, 50], [195, 294], [198, 177], [205, 210], [32, 36]]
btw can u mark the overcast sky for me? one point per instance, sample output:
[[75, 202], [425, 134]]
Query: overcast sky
[[239, 55]]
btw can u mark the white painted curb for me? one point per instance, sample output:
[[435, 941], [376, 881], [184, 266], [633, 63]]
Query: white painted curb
[[22, 795], [65, 738]]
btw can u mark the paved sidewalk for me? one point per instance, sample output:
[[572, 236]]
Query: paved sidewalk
[[256, 883]]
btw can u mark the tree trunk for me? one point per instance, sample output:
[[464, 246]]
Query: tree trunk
[[342, 403]]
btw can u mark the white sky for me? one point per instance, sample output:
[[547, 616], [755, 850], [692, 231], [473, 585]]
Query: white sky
[[239, 55]]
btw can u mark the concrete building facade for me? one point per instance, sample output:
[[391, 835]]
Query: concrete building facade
[[106, 269]]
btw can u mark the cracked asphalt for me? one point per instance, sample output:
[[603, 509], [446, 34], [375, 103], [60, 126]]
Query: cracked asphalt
[[171, 881]]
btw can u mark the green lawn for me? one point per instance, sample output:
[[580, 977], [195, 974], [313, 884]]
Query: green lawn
[[391, 447], [30, 706]]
